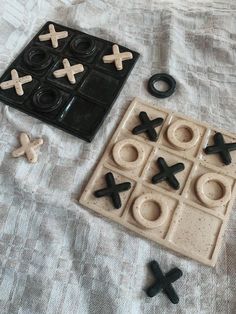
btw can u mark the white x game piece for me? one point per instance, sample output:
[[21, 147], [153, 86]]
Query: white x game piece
[[16, 82], [117, 57], [53, 36], [27, 148], [69, 70]]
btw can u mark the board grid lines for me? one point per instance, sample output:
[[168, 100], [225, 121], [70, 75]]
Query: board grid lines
[[79, 108], [182, 202]]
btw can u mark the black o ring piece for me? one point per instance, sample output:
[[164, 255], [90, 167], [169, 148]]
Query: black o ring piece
[[37, 58], [165, 78], [83, 46], [46, 99]]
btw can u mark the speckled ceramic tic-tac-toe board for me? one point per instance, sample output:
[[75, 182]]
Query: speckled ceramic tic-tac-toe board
[[67, 78], [158, 179]]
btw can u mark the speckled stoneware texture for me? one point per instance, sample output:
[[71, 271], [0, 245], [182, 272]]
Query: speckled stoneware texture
[[190, 220]]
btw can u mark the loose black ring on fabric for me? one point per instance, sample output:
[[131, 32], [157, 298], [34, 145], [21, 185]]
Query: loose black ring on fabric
[[168, 79]]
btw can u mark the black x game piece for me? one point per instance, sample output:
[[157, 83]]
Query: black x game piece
[[168, 173], [148, 126], [221, 148], [164, 282], [113, 190]]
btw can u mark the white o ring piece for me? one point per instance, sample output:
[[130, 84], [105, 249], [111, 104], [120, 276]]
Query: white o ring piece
[[163, 207], [171, 134], [129, 143], [222, 181]]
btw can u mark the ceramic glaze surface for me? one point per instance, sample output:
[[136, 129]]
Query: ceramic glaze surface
[[80, 87], [188, 216]]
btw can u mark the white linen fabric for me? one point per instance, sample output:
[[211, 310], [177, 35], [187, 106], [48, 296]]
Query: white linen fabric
[[58, 257]]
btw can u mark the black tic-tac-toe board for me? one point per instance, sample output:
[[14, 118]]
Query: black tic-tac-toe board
[[79, 108]]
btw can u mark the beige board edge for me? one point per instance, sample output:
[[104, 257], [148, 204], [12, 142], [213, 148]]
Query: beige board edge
[[118, 219]]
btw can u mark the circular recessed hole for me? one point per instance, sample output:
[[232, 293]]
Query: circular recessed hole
[[83, 45], [214, 190], [37, 58], [47, 99], [161, 86], [129, 153], [150, 210], [184, 134]]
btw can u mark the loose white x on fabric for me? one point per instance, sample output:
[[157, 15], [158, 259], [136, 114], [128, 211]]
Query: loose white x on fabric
[[28, 148]]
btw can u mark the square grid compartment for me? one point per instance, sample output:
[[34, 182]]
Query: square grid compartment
[[178, 219], [95, 89]]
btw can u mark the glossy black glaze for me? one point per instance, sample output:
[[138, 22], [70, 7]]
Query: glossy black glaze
[[168, 79], [79, 108]]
